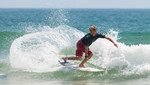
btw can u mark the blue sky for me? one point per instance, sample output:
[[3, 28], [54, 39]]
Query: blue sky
[[74, 3]]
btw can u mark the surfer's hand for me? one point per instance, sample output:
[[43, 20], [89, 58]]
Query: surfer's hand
[[116, 45]]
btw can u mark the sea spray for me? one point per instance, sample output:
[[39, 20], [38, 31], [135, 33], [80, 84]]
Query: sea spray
[[125, 59], [57, 17], [125, 65], [39, 52]]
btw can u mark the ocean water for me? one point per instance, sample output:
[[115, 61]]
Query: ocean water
[[33, 40]]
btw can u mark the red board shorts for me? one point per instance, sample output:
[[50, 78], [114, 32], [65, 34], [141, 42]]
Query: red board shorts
[[81, 49]]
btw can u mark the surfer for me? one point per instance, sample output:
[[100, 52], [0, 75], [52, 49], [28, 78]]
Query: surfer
[[83, 46]]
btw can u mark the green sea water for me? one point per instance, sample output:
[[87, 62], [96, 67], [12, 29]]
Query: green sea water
[[33, 40]]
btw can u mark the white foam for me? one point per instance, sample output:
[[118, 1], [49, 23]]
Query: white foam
[[39, 52], [125, 58]]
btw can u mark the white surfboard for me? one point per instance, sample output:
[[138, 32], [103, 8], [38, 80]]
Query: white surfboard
[[76, 67]]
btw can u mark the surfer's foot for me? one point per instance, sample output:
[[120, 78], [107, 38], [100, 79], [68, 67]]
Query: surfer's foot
[[82, 66], [64, 58]]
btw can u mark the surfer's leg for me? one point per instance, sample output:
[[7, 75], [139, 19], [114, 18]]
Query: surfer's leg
[[90, 54], [85, 60], [72, 58], [65, 59], [75, 58], [79, 54]]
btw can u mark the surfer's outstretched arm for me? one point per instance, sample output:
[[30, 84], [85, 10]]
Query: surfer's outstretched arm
[[106, 37]]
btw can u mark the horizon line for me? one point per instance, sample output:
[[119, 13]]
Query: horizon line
[[63, 8]]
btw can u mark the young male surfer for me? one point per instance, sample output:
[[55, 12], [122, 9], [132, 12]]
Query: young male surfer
[[84, 43]]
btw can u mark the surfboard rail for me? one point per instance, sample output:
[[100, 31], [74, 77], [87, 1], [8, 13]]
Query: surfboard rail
[[76, 67]]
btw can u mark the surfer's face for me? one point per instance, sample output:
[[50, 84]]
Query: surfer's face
[[93, 32]]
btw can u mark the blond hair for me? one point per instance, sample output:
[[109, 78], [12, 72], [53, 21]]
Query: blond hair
[[93, 27]]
